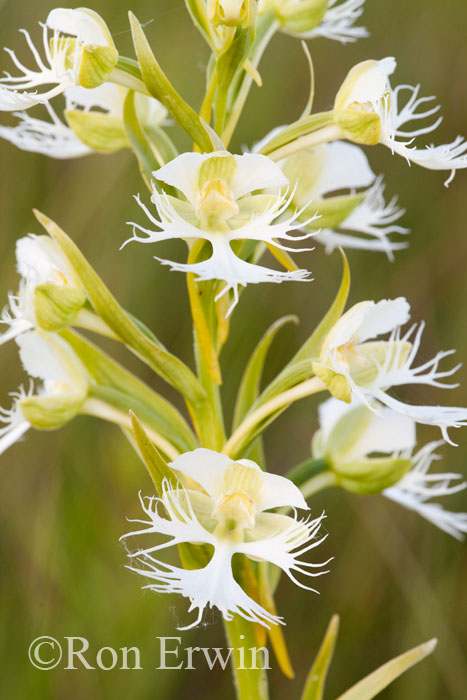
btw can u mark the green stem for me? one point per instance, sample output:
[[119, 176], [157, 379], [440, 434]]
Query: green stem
[[240, 436], [328, 133], [304, 471], [318, 483], [250, 683], [99, 409]]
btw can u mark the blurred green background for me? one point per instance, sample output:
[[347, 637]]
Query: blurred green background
[[396, 580]]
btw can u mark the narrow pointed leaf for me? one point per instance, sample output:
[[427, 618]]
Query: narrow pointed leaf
[[372, 685], [312, 346], [169, 367], [126, 387], [249, 386], [316, 679], [228, 64], [137, 138], [156, 465], [162, 89]]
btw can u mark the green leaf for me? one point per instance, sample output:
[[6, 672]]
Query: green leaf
[[312, 347], [316, 679], [138, 140], [372, 685], [249, 386], [101, 132], [108, 373], [156, 465], [161, 88], [228, 64], [169, 367], [300, 366]]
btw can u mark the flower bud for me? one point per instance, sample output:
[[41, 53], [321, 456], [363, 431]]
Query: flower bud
[[56, 306], [50, 412], [300, 17], [232, 13]]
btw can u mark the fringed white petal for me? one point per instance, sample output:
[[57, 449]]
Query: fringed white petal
[[284, 548], [418, 487], [53, 139], [338, 22], [14, 423]]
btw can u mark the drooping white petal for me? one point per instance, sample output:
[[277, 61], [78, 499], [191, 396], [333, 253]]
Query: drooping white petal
[[50, 358], [345, 166], [385, 431], [53, 139], [383, 317]]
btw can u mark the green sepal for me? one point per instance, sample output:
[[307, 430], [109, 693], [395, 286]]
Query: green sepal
[[302, 17], [96, 64], [336, 383], [316, 679], [161, 88], [51, 412], [103, 133], [56, 306], [331, 211], [371, 475], [359, 126], [169, 367]]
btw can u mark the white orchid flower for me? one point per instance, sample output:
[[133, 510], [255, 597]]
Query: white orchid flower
[[310, 19], [352, 432], [39, 261], [367, 91], [352, 363], [64, 34], [416, 489], [222, 205], [63, 391], [328, 168], [230, 515]]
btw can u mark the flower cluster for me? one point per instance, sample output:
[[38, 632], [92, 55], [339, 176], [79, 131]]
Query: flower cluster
[[305, 180]]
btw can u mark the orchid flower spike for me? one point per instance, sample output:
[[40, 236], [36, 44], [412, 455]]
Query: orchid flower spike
[[373, 452], [367, 110], [64, 388], [309, 19], [351, 363], [50, 294], [318, 172], [220, 203], [229, 515]]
